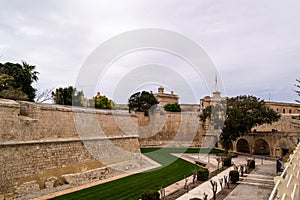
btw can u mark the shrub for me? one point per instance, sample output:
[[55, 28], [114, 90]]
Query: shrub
[[150, 195], [234, 176], [227, 161], [251, 164], [202, 174], [174, 107]]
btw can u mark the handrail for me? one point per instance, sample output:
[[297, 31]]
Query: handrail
[[290, 191]]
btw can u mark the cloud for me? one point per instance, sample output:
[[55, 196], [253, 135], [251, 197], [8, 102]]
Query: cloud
[[254, 44]]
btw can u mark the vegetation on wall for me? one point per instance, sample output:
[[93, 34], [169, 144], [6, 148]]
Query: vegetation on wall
[[101, 102], [172, 107], [141, 102], [16, 81], [67, 96]]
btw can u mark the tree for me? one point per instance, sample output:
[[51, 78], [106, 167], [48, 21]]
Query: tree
[[297, 90], [141, 102], [242, 114], [21, 79], [68, 96], [296, 121], [172, 107], [101, 102], [44, 95]]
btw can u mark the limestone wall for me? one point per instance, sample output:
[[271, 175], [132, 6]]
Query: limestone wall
[[38, 141], [170, 129]]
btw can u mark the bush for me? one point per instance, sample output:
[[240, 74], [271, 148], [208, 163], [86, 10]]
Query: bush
[[202, 174], [227, 161], [251, 164], [174, 107], [234, 176], [150, 195]]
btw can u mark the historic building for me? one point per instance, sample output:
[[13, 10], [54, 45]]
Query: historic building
[[277, 139], [165, 98]]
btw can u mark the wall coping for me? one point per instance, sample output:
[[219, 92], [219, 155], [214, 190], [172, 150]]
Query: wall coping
[[60, 140]]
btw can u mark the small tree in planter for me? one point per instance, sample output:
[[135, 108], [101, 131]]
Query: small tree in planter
[[234, 176], [202, 174], [227, 161], [251, 164], [150, 195]]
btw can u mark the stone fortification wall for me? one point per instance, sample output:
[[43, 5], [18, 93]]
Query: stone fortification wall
[[181, 129], [39, 141]]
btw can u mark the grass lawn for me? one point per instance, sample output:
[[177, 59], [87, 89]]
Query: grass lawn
[[131, 187]]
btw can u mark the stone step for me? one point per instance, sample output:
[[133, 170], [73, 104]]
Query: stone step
[[257, 184], [257, 180], [260, 175]]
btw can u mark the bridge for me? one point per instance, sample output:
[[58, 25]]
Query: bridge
[[274, 144]]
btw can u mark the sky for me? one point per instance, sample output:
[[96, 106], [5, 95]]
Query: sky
[[254, 45]]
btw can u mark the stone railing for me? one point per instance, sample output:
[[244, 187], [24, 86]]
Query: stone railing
[[287, 185]]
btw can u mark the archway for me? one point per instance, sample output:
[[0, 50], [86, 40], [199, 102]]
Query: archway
[[242, 145], [261, 147]]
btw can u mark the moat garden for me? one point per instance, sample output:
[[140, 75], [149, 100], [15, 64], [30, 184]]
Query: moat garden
[[172, 169]]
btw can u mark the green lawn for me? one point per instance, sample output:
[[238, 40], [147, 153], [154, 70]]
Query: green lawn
[[131, 187]]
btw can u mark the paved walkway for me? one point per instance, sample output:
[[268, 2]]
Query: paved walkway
[[257, 185], [205, 187]]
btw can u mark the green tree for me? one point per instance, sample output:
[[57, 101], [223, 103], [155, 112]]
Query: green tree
[[172, 107], [101, 102], [68, 96], [242, 114], [141, 102], [21, 78]]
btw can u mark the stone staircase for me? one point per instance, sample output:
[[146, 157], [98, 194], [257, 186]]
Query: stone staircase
[[260, 180]]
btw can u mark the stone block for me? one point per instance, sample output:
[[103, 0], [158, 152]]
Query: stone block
[[27, 188], [49, 183]]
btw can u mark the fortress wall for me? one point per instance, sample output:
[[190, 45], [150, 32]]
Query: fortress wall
[[171, 129], [38, 141]]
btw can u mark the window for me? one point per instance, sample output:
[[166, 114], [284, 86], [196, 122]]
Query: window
[[283, 110]]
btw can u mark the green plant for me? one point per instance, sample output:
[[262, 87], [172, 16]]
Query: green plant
[[150, 195], [202, 174], [172, 107], [251, 164], [227, 161], [142, 102], [234, 176]]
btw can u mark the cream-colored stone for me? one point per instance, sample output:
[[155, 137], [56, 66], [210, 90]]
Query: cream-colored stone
[[27, 188]]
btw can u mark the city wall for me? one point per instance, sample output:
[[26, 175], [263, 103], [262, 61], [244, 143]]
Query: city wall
[[44, 142], [39, 141]]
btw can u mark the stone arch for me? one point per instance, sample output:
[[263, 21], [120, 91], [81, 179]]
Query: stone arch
[[261, 147], [282, 145], [242, 145]]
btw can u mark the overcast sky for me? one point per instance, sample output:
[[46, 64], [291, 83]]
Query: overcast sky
[[254, 44]]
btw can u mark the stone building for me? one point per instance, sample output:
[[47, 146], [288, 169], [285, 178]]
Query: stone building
[[276, 140], [165, 98]]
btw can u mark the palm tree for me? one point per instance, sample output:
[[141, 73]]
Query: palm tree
[[30, 70]]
